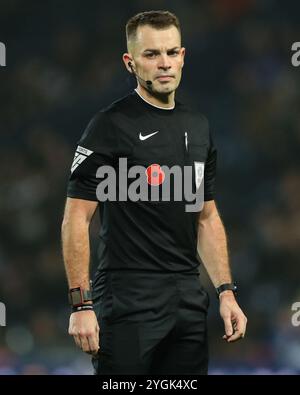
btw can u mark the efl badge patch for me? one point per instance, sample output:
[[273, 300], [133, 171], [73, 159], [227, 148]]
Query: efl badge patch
[[80, 155], [199, 173]]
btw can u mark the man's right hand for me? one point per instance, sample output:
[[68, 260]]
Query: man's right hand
[[84, 328]]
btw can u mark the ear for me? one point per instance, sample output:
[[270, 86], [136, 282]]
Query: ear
[[126, 59], [183, 55]]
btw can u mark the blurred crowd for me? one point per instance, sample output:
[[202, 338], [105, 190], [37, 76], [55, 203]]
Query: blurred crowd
[[64, 64]]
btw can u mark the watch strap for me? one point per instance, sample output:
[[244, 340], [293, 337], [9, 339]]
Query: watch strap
[[226, 287]]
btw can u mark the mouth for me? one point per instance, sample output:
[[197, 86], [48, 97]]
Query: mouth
[[164, 77]]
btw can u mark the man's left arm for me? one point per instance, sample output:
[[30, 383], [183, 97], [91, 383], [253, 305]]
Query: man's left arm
[[213, 250]]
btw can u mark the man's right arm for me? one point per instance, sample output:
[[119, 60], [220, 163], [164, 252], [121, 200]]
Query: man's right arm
[[95, 148], [76, 252]]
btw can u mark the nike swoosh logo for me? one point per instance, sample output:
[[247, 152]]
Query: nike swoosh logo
[[141, 137]]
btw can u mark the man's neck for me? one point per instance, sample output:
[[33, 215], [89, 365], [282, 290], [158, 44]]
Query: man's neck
[[164, 101]]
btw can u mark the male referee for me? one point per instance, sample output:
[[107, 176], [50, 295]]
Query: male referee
[[146, 310]]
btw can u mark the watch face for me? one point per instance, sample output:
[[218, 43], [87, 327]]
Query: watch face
[[76, 297]]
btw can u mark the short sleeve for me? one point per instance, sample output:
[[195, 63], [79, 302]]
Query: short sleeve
[[210, 171], [97, 147]]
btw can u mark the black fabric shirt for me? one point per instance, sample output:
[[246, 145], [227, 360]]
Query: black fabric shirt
[[144, 235]]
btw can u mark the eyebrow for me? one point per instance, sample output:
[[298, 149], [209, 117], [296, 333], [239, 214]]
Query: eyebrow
[[158, 51]]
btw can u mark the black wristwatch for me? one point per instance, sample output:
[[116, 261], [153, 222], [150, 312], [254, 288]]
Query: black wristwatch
[[227, 287], [78, 296]]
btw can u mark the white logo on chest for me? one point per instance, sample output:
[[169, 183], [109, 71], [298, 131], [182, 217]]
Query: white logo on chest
[[141, 137]]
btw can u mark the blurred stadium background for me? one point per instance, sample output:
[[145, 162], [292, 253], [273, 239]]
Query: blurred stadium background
[[63, 64]]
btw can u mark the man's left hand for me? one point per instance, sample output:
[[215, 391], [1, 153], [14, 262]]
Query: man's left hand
[[234, 319]]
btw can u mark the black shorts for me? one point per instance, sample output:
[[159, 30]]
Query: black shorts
[[151, 323]]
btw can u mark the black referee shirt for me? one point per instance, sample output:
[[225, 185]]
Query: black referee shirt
[[144, 235]]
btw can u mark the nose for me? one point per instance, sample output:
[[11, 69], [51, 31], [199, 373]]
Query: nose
[[164, 62]]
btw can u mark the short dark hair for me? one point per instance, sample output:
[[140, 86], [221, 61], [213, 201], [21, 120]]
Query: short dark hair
[[156, 19]]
